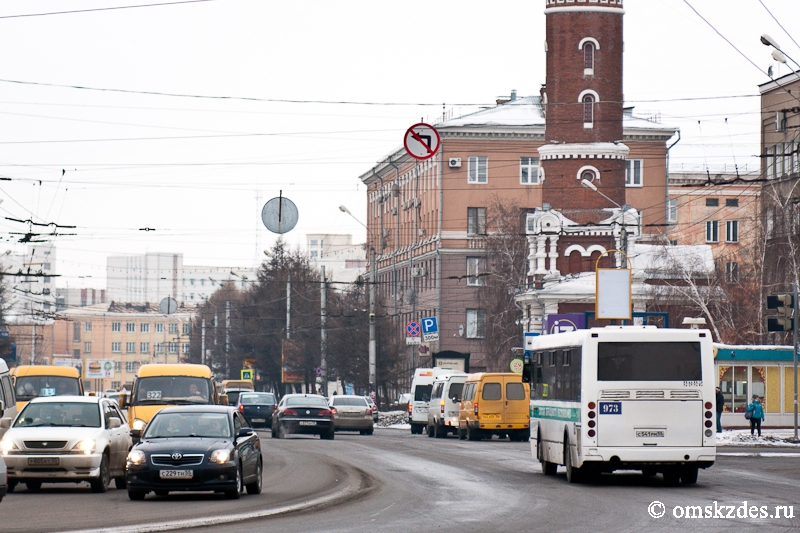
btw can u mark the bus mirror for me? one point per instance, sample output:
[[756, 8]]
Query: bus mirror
[[5, 423], [223, 399], [526, 373]]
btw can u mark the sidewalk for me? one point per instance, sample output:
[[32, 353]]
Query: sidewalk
[[769, 437]]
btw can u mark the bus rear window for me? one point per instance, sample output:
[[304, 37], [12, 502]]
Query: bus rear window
[[422, 393], [649, 361]]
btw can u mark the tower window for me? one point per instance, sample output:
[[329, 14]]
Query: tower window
[[588, 58], [588, 111]]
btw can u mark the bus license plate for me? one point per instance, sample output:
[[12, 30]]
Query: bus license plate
[[490, 417], [610, 408], [651, 433], [307, 423], [43, 461], [176, 474]]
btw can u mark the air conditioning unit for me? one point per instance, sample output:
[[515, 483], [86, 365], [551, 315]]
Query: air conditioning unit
[[421, 232], [416, 202], [418, 272], [394, 211], [454, 162], [385, 232]]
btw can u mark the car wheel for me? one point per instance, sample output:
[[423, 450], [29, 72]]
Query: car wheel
[[274, 432], [429, 430], [236, 493], [370, 431], [136, 495], [33, 485], [11, 486], [439, 431], [121, 482], [255, 486], [104, 479], [362, 431], [281, 431], [462, 434]]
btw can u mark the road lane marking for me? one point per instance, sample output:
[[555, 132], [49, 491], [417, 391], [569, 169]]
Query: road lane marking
[[759, 454]]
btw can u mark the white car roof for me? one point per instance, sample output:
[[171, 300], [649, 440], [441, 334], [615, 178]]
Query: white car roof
[[67, 397]]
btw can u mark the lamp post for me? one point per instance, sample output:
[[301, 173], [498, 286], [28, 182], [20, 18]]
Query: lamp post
[[777, 54], [623, 208], [372, 346]]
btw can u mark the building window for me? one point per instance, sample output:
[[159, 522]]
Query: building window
[[76, 332], [633, 173], [187, 328], [130, 366], [117, 366], [476, 221], [732, 231], [87, 327], [478, 169], [76, 354], [173, 347], [314, 254], [191, 282], [144, 347], [173, 328], [732, 272], [712, 231], [116, 347], [588, 57], [130, 327], [712, 202], [159, 347], [46, 266], [529, 170], [130, 347], [144, 327], [771, 162], [476, 320], [732, 202], [116, 327], [160, 328], [185, 348], [588, 111], [672, 211], [87, 347], [475, 267]]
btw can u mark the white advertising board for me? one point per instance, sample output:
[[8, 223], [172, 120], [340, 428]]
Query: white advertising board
[[613, 294]]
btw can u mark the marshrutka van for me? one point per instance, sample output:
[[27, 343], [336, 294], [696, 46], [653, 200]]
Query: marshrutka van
[[31, 381], [234, 387], [8, 405], [495, 404], [421, 388], [162, 385]]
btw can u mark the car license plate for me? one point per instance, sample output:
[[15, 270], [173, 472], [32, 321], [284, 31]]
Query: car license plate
[[259, 419], [610, 408], [43, 461], [176, 474], [307, 423]]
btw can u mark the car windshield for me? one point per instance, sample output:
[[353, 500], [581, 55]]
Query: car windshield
[[172, 425], [261, 399], [171, 390], [29, 387], [62, 414], [357, 401], [306, 401]]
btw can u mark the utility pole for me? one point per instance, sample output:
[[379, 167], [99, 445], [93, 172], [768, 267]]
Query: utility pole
[[372, 355], [227, 335], [33, 348], [289, 307], [323, 345], [203, 342]]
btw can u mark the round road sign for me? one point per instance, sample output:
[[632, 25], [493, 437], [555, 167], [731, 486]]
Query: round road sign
[[422, 141], [413, 329]]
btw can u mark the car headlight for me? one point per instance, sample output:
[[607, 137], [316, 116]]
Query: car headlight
[[85, 446], [139, 424], [7, 445], [220, 456], [136, 457]]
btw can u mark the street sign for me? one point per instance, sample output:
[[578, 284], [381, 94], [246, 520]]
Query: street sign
[[247, 374], [279, 215], [319, 370], [430, 329], [516, 365], [168, 306], [413, 340], [422, 141], [412, 329]]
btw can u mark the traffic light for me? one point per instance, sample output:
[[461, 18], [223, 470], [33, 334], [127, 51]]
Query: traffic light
[[784, 304]]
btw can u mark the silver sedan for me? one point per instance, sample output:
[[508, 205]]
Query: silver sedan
[[352, 413], [67, 439]]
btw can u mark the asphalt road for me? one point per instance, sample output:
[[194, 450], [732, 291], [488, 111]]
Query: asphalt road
[[393, 481]]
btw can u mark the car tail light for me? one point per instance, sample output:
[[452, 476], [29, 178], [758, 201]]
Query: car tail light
[[410, 408], [475, 407], [325, 412], [274, 408], [334, 411], [241, 408], [289, 412], [369, 412], [441, 405]]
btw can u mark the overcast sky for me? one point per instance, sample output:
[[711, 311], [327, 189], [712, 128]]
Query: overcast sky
[[198, 170]]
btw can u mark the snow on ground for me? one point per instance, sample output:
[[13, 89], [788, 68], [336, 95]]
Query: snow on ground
[[393, 420], [769, 437]]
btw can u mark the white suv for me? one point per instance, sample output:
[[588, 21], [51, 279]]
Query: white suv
[[59, 439]]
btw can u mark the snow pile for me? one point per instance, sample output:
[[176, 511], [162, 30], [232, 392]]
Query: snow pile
[[769, 437], [393, 419]]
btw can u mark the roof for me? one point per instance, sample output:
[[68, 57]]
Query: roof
[[67, 398], [779, 82], [46, 370], [151, 370], [119, 308]]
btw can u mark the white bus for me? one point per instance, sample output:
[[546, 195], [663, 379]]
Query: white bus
[[622, 398]]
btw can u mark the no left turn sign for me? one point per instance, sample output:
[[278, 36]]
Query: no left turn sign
[[422, 141]]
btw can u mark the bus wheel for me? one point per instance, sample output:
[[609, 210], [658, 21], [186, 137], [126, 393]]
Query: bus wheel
[[462, 434], [688, 475], [472, 434], [672, 476], [574, 475], [429, 430], [548, 468]]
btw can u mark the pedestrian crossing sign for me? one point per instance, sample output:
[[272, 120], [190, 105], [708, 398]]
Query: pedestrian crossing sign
[[247, 374]]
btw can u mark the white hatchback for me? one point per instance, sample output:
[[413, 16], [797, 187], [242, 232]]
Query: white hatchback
[[67, 439]]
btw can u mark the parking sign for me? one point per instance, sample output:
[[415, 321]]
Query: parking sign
[[430, 329]]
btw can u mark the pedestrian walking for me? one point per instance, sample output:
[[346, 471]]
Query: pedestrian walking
[[720, 407], [756, 411]]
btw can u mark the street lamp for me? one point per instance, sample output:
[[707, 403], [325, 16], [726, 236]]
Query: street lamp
[[372, 345], [777, 54]]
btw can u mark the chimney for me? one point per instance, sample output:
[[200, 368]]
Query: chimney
[[513, 95]]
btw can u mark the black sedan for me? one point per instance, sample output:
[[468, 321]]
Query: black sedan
[[196, 448], [257, 407], [307, 414]]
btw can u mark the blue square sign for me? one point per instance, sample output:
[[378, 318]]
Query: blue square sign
[[429, 325]]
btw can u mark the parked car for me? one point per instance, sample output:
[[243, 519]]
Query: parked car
[[374, 407], [196, 448], [257, 407], [3, 479], [352, 413], [307, 414], [58, 439]]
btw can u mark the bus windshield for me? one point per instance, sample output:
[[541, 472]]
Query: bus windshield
[[159, 390], [29, 387], [649, 361]]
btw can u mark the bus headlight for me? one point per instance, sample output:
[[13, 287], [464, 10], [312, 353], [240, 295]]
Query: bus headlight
[[136, 457], [139, 424]]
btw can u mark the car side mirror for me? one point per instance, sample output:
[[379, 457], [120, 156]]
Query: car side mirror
[[114, 422], [245, 432], [121, 401], [223, 399], [136, 435], [5, 423], [455, 399], [2, 406]]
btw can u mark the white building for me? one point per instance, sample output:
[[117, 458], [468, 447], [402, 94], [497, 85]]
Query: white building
[[343, 260], [73, 297], [29, 281]]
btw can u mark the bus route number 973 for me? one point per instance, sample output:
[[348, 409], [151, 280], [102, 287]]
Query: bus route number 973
[[610, 408]]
